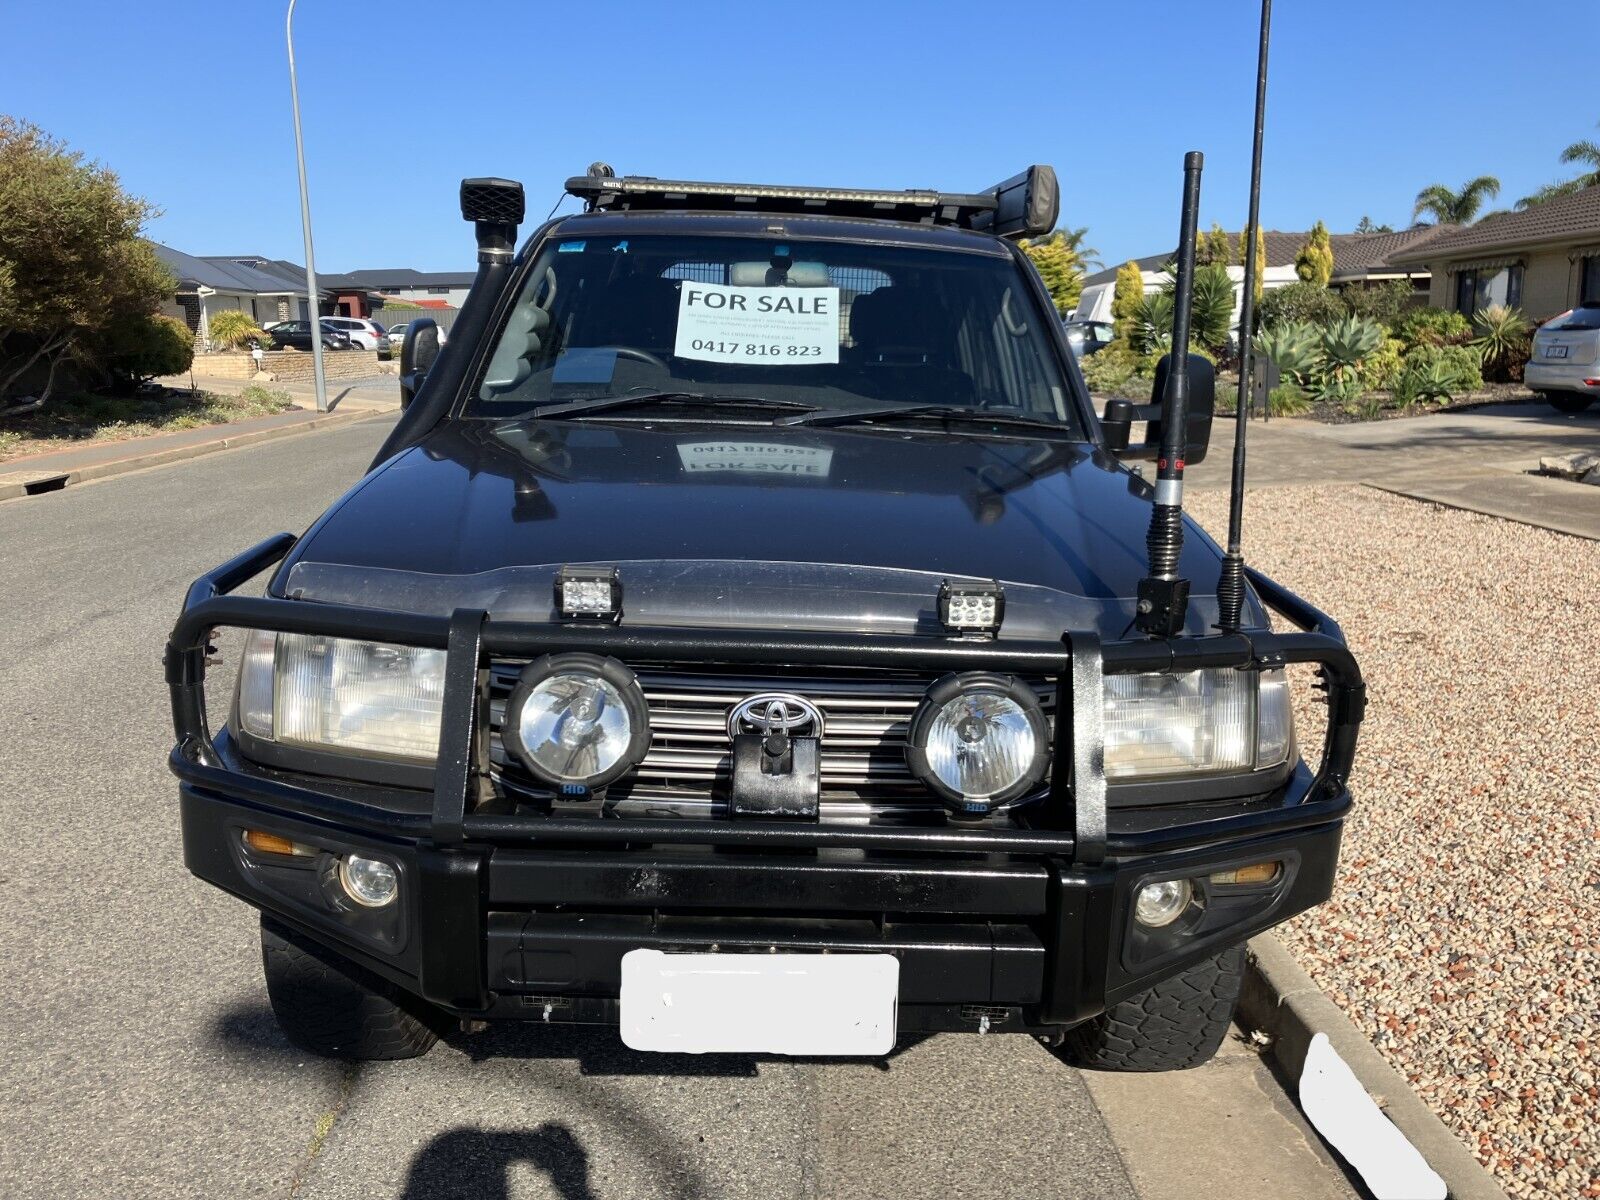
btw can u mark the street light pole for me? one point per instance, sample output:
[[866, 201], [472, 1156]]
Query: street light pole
[[305, 219]]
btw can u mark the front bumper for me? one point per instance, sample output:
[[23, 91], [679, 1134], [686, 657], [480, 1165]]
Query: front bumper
[[527, 915]]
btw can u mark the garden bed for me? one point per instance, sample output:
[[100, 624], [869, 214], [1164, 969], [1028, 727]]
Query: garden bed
[[74, 420], [1328, 413]]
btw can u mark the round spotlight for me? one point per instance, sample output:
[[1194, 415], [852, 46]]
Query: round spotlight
[[1161, 903], [577, 720], [979, 742], [370, 882]]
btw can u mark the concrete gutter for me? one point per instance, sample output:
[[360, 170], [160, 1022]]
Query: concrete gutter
[[1280, 1000], [43, 473]]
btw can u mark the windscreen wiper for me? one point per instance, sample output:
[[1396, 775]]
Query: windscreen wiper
[[598, 404], [945, 412]]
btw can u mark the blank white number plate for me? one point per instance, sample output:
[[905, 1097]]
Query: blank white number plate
[[760, 1003]]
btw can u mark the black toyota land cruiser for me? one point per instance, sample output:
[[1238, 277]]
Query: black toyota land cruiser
[[746, 637]]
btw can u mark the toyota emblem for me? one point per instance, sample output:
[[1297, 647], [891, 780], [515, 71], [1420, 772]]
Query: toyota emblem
[[775, 712]]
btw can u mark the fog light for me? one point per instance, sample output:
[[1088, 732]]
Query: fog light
[[370, 882], [1261, 872], [1163, 902]]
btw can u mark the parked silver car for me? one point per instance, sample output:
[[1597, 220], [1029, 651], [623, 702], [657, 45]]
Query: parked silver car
[[364, 334], [1564, 366]]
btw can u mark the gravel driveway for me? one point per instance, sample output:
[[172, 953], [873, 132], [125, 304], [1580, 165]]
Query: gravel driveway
[[1464, 932]]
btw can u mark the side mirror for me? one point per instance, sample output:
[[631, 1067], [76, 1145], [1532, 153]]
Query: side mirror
[[417, 355], [1202, 403], [1117, 424]]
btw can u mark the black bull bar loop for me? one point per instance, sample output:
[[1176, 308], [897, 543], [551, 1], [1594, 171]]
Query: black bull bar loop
[[1070, 823]]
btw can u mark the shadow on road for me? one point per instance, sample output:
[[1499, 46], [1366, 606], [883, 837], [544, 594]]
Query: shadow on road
[[476, 1163], [598, 1051]]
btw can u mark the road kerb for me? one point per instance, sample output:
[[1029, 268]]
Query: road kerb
[[1280, 1000], [15, 483]]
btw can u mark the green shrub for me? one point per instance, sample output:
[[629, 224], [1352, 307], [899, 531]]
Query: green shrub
[[1111, 370], [1288, 400], [1314, 263], [1060, 267], [1301, 302], [1437, 373], [1431, 327], [1345, 345], [1383, 303], [1503, 343], [1126, 296], [147, 347], [270, 400], [1152, 323], [1293, 346], [1381, 369], [232, 328]]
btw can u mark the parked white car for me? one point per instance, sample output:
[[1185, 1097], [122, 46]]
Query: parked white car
[[397, 335], [364, 334], [1564, 366]]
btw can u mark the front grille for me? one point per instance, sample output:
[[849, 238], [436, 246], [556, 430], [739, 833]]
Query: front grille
[[862, 756]]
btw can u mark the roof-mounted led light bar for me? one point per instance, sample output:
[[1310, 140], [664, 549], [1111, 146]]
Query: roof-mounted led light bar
[[1025, 205]]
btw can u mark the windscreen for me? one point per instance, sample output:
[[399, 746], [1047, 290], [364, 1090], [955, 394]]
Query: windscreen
[[826, 324]]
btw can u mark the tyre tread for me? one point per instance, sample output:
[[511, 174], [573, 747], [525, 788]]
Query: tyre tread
[[333, 1008], [1177, 1024]]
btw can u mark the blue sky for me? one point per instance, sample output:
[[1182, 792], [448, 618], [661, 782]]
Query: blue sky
[[1370, 102]]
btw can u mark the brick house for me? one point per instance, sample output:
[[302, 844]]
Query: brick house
[[1544, 260]]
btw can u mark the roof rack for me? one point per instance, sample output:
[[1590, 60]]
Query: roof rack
[[1026, 205]]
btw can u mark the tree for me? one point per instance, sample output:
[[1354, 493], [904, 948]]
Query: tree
[[148, 347], [1060, 268], [1456, 208], [1126, 297], [234, 327], [1584, 151], [73, 269], [1261, 258], [1088, 255], [1365, 225], [1213, 247], [1314, 263]]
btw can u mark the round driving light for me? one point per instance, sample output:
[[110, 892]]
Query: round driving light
[[577, 721], [370, 882], [978, 741], [1161, 903]]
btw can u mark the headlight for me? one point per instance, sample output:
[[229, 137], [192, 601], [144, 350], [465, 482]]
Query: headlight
[[577, 721], [978, 741], [334, 694], [1197, 722]]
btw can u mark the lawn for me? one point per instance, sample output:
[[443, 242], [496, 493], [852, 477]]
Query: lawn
[[86, 417]]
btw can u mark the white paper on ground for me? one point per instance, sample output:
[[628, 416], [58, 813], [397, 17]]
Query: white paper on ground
[[760, 1003], [1342, 1112], [774, 326]]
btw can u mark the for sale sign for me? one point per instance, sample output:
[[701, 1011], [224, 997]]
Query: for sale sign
[[777, 326]]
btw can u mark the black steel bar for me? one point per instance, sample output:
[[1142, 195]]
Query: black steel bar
[[1163, 597], [454, 776], [1230, 587]]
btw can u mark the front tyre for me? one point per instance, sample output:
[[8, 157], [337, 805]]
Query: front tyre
[[1177, 1024], [332, 1007], [1569, 402]]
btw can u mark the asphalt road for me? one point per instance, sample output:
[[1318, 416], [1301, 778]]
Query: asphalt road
[[139, 1058]]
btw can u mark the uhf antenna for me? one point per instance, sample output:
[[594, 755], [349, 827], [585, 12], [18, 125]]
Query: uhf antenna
[[1163, 598], [1230, 587]]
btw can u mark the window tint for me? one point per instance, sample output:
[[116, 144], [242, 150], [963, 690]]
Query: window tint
[[1585, 317], [600, 316]]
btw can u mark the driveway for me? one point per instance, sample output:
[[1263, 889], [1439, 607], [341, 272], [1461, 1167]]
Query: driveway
[[140, 1059]]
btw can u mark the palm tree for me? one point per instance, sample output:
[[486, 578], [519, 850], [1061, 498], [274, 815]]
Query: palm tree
[[1456, 208], [1088, 255], [1588, 153], [1584, 151]]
